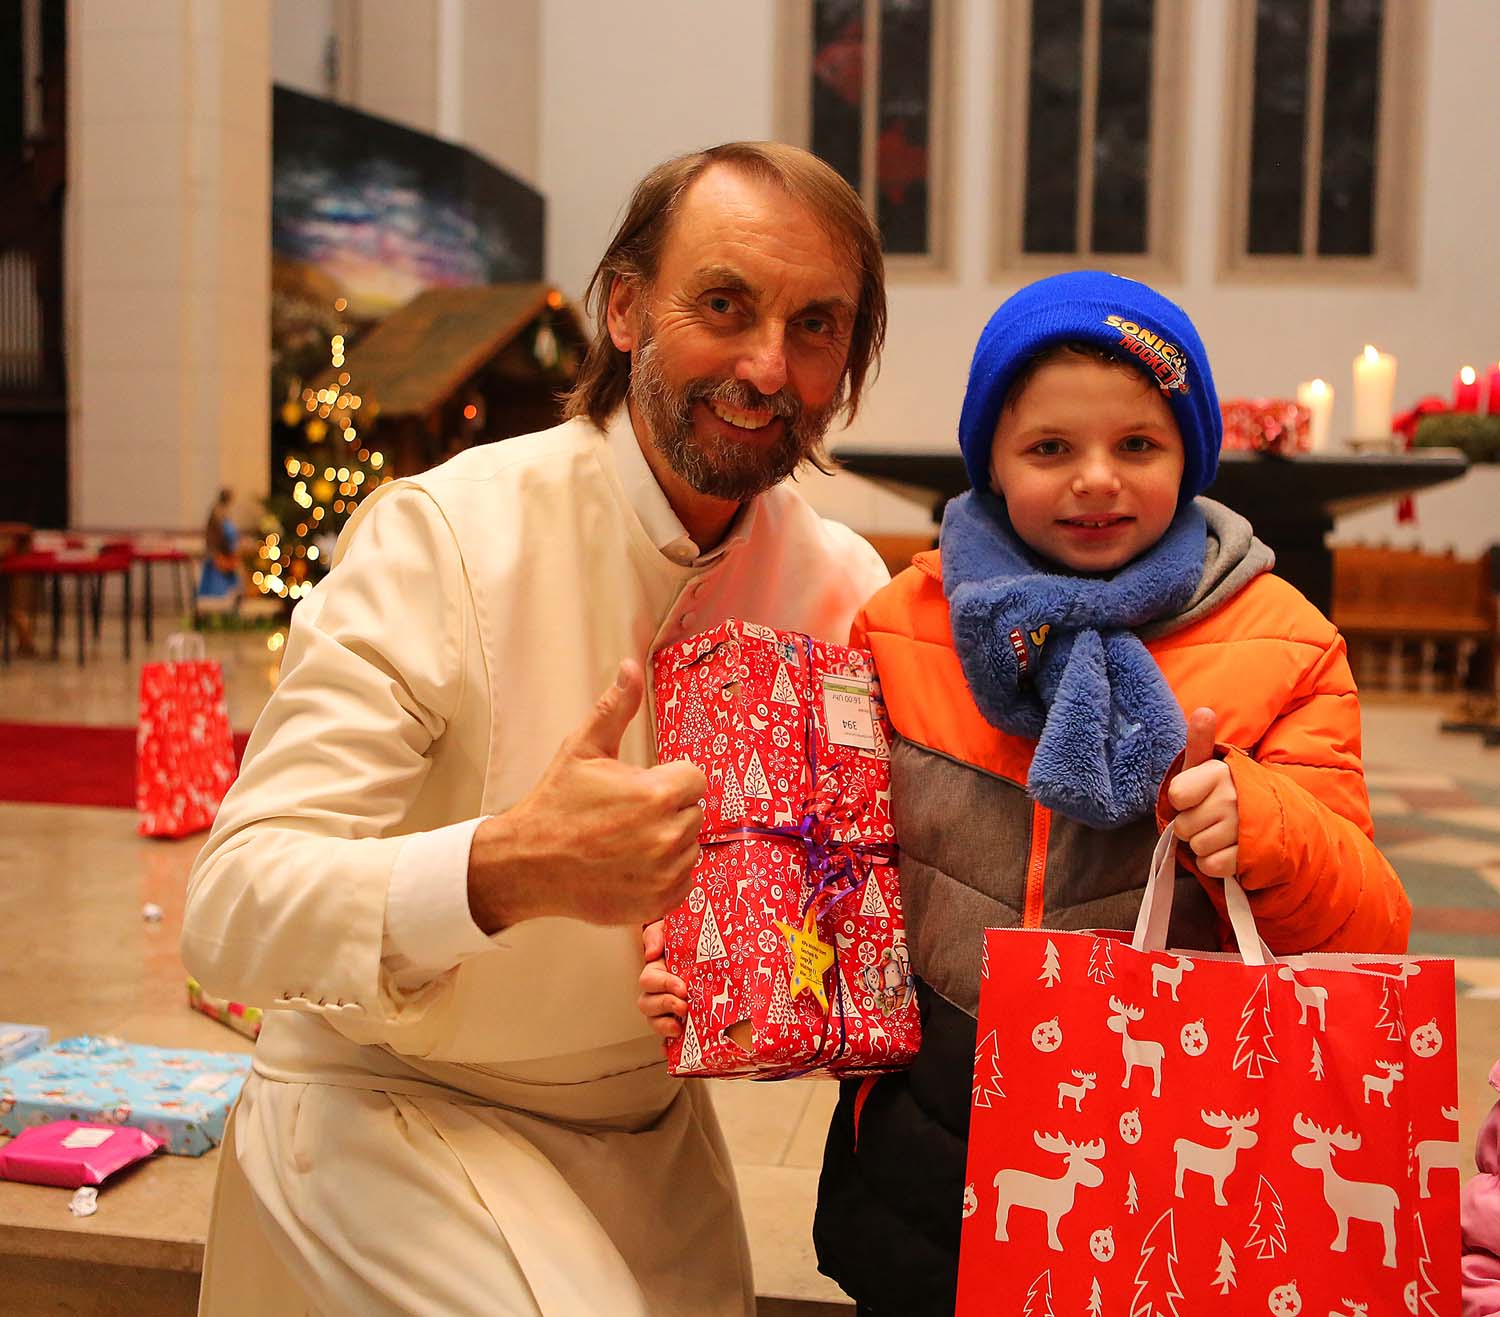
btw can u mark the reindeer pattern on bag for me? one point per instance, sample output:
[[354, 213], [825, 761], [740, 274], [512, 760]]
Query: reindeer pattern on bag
[[1200, 1135]]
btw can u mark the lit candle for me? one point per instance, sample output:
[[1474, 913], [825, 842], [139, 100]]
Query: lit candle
[[1492, 404], [1466, 390], [1317, 397], [1374, 387]]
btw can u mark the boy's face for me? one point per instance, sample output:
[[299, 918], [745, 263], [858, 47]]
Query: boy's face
[[1089, 461]]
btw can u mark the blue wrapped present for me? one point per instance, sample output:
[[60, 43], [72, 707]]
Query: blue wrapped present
[[18, 1040], [179, 1097]]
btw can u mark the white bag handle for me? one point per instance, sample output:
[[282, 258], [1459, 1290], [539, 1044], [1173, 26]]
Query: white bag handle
[[1156, 907], [184, 645]]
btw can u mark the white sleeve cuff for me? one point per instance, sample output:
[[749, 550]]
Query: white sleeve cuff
[[428, 927]]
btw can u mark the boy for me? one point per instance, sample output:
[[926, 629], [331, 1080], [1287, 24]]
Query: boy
[[1036, 671]]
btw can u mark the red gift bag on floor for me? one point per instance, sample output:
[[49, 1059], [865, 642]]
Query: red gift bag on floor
[[1157, 1134], [184, 748]]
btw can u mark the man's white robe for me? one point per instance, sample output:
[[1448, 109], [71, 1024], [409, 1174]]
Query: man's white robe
[[504, 1138]]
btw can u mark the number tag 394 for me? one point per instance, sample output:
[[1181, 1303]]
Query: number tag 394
[[848, 712]]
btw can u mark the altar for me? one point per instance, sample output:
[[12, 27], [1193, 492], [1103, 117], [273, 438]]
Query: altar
[[1291, 501]]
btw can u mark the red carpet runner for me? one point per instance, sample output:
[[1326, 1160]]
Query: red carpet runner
[[52, 764]]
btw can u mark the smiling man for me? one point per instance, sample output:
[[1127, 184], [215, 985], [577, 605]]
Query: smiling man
[[444, 840]]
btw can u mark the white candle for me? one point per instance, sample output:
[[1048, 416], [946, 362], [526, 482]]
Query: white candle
[[1317, 397], [1374, 388]]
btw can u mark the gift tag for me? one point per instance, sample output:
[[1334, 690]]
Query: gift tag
[[810, 956], [88, 1137], [848, 711]]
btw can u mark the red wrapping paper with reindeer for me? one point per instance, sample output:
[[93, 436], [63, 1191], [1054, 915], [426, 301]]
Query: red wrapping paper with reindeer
[[1158, 1134], [791, 942]]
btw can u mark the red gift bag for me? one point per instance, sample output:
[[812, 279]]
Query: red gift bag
[[1156, 1134], [792, 941], [184, 747]]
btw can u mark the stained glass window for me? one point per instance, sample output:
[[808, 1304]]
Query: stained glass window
[[1327, 130], [1054, 113], [1082, 139], [1346, 207], [873, 110]]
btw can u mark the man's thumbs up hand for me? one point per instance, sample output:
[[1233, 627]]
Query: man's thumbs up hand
[[596, 839], [1208, 819], [601, 732]]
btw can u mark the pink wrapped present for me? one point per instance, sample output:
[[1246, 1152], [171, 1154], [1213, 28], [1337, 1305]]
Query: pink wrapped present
[[791, 942], [70, 1153]]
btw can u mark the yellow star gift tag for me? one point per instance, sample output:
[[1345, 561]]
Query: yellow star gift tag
[[811, 958]]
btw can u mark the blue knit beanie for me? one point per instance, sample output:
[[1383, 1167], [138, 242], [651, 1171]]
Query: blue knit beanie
[[1130, 320]]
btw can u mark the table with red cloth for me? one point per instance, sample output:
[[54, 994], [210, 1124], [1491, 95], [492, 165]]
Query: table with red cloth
[[150, 553], [89, 568]]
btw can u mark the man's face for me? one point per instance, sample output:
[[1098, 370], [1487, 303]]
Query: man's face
[[739, 344]]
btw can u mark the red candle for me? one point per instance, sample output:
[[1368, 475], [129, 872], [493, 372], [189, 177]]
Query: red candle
[[1466, 390], [1493, 403]]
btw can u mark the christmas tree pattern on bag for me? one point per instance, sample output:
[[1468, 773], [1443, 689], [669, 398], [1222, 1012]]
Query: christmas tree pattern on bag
[[769, 992], [1177, 1135]]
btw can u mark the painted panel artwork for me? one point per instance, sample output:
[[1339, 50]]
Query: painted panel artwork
[[384, 212], [372, 212]]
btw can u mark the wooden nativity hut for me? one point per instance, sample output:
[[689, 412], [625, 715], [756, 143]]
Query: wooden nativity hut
[[456, 367]]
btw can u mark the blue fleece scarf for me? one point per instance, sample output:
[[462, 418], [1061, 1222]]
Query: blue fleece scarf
[[1054, 658]]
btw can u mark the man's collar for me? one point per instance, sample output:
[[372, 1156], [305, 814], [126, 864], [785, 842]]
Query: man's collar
[[650, 503]]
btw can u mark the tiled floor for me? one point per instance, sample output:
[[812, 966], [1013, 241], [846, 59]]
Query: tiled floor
[[76, 955], [1436, 801]]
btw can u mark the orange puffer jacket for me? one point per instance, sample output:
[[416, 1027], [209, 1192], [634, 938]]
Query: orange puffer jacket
[[977, 852], [1274, 670]]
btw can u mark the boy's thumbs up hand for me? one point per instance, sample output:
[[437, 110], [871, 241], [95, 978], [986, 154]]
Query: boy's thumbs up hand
[[596, 840], [1202, 730], [1208, 819]]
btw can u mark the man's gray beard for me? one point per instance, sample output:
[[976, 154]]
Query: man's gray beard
[[715, 465]]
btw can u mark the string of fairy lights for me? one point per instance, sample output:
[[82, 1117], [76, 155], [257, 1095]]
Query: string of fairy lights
[[324, 490]]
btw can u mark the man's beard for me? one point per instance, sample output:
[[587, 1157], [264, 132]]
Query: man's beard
[[716, 465]]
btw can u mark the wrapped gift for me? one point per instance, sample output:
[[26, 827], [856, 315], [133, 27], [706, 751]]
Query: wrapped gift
[[791, 942], [180, 1098], [18, 1040], [1266, 425], [70, 1153], [242, 1019]]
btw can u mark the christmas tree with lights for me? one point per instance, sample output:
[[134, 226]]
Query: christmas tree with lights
[[322, 478]]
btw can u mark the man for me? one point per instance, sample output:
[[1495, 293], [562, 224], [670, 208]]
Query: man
[[436, 862]]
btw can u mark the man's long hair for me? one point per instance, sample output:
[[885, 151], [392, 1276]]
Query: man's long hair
[[635, 253]]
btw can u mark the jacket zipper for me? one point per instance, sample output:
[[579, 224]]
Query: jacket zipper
[[1036, 866], [1031, 917]]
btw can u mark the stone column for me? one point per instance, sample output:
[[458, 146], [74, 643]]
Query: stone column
[[169, 197]]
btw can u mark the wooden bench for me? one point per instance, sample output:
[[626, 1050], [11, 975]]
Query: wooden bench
[[1419, 608], [897, 551]]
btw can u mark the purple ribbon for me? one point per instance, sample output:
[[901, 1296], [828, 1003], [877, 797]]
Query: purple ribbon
[[829, 858]]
